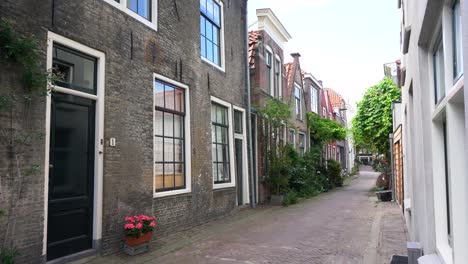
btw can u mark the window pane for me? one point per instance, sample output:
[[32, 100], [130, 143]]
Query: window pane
[[158, 172], [214, 153], [209, 9], [457, 31], [216, 14], [219, 153], [169, 175], [143, 8], [203, 46], [215, 35], [169, 97], [179, 100], [209, 50], [158, 149], [221, 172], [158, 123], [213, 113], [178, 150], [219, 134], [202, 26], [168, 149], [203, 6], [178, 126], [209, 31], [179, 175], [168, 125], [159, 94], [77, 70], [225, 172], [238, 122], [132, 5], [215, 172]]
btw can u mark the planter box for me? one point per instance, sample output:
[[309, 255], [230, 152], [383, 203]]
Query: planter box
[[384, 196], [134, 246], [277, 199]]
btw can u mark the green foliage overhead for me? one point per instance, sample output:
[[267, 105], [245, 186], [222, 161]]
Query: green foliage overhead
[[324, 130], [373, 121], [275, 112]]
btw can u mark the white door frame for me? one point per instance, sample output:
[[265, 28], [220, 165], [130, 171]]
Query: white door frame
[[99, 133], [245, 175]]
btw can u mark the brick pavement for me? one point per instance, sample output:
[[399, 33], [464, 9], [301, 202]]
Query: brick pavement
[[346, 225]]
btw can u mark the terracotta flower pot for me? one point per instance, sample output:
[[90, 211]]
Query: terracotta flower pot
[[133, 241]]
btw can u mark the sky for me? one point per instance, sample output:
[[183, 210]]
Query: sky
[[344, 43]]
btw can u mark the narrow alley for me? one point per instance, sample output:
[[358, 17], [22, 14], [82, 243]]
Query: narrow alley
[[346, 225]]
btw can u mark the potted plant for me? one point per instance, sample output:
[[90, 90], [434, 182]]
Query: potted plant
[[138, 231]]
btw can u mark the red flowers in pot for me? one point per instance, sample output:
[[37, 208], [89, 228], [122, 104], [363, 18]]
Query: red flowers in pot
[[138, 229]]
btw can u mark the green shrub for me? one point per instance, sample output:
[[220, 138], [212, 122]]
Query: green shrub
[[7, 256], [334, 173], [280, 170], [290, 198]]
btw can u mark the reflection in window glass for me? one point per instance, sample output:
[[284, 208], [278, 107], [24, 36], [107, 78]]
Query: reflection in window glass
[[457, 41], [141, 7], [220, 144], [169, 117], [210, 26], [75, 70]]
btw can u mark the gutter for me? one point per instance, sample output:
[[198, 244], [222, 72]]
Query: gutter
[[252, 191]]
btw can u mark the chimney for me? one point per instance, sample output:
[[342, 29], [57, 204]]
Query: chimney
[[295, 55]]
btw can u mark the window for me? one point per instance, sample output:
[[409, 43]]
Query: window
[[238, 122], [77, 71], [141, 10], [220, 143], [277, 78], [438, 61], [141, 7], [292, 134], [301, 144], [269, 71], [210, 29], [314, 100], [169, 137], [297, 95], [281, 135], [457, 41]]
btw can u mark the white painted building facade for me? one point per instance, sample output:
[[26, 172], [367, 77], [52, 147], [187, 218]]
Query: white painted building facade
[[434, 37]]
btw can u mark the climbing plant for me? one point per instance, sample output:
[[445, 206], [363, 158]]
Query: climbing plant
[[19, 56], [324, 130], [373, 121]]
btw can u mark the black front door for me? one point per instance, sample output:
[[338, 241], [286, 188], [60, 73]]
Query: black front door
[[71, 175], [239, 170]]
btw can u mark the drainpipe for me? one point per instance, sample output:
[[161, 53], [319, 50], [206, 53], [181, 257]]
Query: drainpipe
[[252, 191], [392, 165]]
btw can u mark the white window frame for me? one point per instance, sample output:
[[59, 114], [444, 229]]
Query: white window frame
[[457, 45], [222, 66], [314, 103], [122, 6], [293, 132], [187, 140], [280, 84], [448, 110], [271, 78], [231, 145], [305, 143], [99, 131], [243, 136], [297, 86]]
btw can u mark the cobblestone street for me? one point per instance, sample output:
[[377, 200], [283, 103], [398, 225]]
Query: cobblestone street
[[346, 225]]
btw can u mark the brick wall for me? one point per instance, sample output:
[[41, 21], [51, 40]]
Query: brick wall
[[128, 167]]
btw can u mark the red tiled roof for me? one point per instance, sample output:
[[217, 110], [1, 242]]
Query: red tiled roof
[[253, 39], [335, 98]]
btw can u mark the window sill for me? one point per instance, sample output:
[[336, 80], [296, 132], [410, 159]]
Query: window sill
[[129, 12], [212, 64], [224, 185], [171, 193]]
